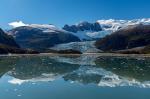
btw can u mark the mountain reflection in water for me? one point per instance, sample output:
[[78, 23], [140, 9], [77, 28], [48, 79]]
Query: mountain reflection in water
[[84, 69]]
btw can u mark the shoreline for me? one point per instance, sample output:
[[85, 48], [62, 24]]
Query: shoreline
[[93, 54]]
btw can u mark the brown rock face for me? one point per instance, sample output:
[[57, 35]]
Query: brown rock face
[[127, 38]]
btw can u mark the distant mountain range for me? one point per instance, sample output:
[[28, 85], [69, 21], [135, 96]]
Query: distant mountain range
[[41, 37], [123, 36], [93, 31]]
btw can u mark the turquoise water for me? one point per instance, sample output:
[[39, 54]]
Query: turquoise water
[[74, 77]]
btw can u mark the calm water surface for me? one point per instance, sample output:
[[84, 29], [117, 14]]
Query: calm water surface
[[74, 77]]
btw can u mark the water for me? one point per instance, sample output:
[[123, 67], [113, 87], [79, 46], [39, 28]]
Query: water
[[74, 77]]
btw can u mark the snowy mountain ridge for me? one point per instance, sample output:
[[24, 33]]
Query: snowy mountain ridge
[[86, 31], [108, 26], [114, 25]]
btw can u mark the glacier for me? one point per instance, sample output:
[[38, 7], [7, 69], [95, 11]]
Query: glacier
[[84, 47]]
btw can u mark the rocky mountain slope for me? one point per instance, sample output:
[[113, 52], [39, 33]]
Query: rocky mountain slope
[[134, 36], [7, 40], [8, 45], [83, 26], [85, 30], [41, 37]]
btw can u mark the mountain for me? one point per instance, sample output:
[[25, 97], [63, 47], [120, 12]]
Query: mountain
[[8, 45], [92, 31], [7, 39], [83, 26], [113, 25], [127, 40], [85, 30], [41, 37]]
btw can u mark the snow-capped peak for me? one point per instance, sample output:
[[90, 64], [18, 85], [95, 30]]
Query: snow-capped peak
[[114, 25], [43, 27], [84, 29]]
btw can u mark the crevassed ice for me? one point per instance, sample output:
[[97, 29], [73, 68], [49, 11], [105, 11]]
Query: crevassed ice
[[84, 47]]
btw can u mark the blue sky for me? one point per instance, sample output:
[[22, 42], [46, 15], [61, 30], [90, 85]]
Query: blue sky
[[60, 12]]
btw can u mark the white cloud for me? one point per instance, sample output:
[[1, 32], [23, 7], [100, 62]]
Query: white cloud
[[17, 24]]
